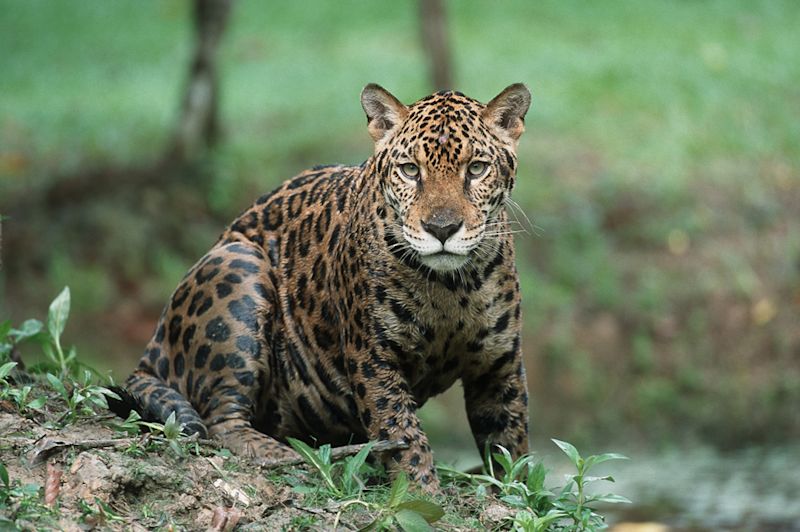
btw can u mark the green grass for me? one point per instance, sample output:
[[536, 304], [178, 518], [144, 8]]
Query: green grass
[[660, 168]]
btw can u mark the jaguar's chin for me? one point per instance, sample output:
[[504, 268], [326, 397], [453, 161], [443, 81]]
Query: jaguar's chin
[[444, 261]]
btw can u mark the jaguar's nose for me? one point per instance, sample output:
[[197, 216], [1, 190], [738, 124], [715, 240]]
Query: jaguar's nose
[[442, 227]]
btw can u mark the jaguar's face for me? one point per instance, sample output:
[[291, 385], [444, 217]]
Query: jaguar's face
[[448, 164]]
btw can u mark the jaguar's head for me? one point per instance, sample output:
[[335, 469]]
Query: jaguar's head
[[447, 165]]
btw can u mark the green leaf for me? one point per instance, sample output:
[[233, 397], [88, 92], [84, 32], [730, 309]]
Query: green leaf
[[4, 474], [37, 403], [399, 489], [607, 478], [172, 428], [72, 354], [600, 458], [29, 329], [313, 458], [353, 465], [610, 498], [548, 518], [411, 521], [490, 480], [57, 385], [520, 465], [324, 453], [173, 445], [379, 523], [536, 476], [514, 500], [305, 451], [5, 328], [6, 368], [99, 401], [569, 450], [58, 314], [503, 458], [431, 512], [133, 417], [105, 391]]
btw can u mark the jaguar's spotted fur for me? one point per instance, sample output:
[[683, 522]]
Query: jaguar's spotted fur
[[335, 306]]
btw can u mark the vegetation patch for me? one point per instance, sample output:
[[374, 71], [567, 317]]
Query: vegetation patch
[[66, 461]]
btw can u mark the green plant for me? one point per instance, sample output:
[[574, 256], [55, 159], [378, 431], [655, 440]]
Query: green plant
[[6, 487], [74, 383], [98, 514], [169, 433], [5, 386], [343, 480], [81, 395], [48, 338], [409, 515], [19, 502], [521, 485], [573, 500], [18, 395], [10, 338], [131, 426]]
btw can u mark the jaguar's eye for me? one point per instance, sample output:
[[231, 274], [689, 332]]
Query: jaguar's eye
[[410, 171], [476, 169]]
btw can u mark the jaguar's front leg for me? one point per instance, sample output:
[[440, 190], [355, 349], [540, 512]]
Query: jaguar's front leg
[[388, 411], [496, 397]]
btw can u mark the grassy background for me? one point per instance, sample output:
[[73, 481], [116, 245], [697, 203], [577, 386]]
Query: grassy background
[[661, 169]]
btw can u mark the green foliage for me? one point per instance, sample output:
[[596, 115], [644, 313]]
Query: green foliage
[[20, 503], [81, 395], [168, 434], [344, 481], [521, 485], [73, 384], [573, 500], [98, 514], [409, 514]]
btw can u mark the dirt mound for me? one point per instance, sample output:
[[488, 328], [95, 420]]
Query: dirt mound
[[107, 481]]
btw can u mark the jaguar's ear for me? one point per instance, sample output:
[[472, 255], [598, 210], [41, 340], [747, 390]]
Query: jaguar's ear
[[384, 111], [507, 110]]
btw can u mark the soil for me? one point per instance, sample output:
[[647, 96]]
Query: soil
[[143, 492], [107, 482]]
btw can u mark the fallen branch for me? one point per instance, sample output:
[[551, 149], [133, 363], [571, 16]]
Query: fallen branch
[[337, 453], [46, 447]]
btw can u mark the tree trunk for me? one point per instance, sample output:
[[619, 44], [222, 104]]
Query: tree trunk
[[433, 25], [198, 127]]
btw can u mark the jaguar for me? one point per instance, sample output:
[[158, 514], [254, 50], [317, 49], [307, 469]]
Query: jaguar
[[335, 306]]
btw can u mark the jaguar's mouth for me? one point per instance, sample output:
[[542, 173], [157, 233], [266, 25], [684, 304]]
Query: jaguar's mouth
[[443, 261]]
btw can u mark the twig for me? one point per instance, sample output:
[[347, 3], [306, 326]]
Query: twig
[[337, 453], [47, 446]]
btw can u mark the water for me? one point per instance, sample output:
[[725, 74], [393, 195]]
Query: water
[[691, 489], [698, 488]]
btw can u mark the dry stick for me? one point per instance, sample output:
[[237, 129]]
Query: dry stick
[[338, 453], [45, 446], [48, 446]]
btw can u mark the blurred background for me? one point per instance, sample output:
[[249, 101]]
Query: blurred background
[[660, 170]]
